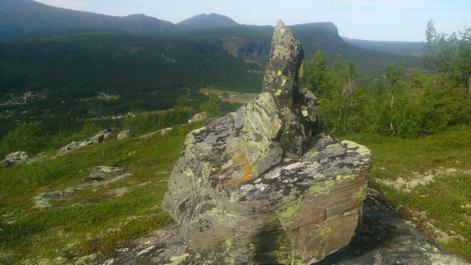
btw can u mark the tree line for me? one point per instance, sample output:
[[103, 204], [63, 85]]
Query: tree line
[[403, 102]]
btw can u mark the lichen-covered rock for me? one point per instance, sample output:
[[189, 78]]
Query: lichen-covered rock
[[258, 187], [298, 107]]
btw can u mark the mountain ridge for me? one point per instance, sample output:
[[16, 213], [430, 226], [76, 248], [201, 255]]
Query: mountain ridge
[[206, 21], [28, 18]]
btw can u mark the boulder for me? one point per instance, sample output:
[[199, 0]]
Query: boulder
[[126, 134], [198, 117], [16, 158], [260, 186]]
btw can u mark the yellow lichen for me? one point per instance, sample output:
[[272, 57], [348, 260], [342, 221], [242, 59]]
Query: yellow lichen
[[321, 188], [325, 233], [360, 194], [283, 81], [290, 212], [228, 244]]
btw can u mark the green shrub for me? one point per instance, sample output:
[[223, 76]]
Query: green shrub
[[212, 105], [25, 137]]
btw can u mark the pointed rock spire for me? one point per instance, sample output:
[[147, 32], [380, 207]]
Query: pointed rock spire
[[284, 69], [285, 60]]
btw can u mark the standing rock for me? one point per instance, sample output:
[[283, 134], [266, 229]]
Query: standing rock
[[198, 117], [282, 76], [259, 187]]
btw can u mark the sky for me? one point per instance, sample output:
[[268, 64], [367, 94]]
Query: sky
[[389, 20]]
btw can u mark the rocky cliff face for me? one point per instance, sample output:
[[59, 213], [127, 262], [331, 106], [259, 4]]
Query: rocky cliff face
[[258, 186]]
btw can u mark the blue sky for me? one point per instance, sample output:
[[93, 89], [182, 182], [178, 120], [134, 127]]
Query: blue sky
[[401, 20]]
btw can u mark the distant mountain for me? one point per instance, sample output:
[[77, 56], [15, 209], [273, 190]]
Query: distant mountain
[[203, 21], [395, 47], [141, 23], [29, 18]]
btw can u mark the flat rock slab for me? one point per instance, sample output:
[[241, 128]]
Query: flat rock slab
[[383, 238]]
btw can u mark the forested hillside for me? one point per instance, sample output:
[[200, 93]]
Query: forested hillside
[[65, 75]]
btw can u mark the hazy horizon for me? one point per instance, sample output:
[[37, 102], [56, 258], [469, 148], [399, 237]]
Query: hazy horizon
[[387, 20]]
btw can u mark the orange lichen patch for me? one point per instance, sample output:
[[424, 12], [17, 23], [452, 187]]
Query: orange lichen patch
[[242, 173]]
